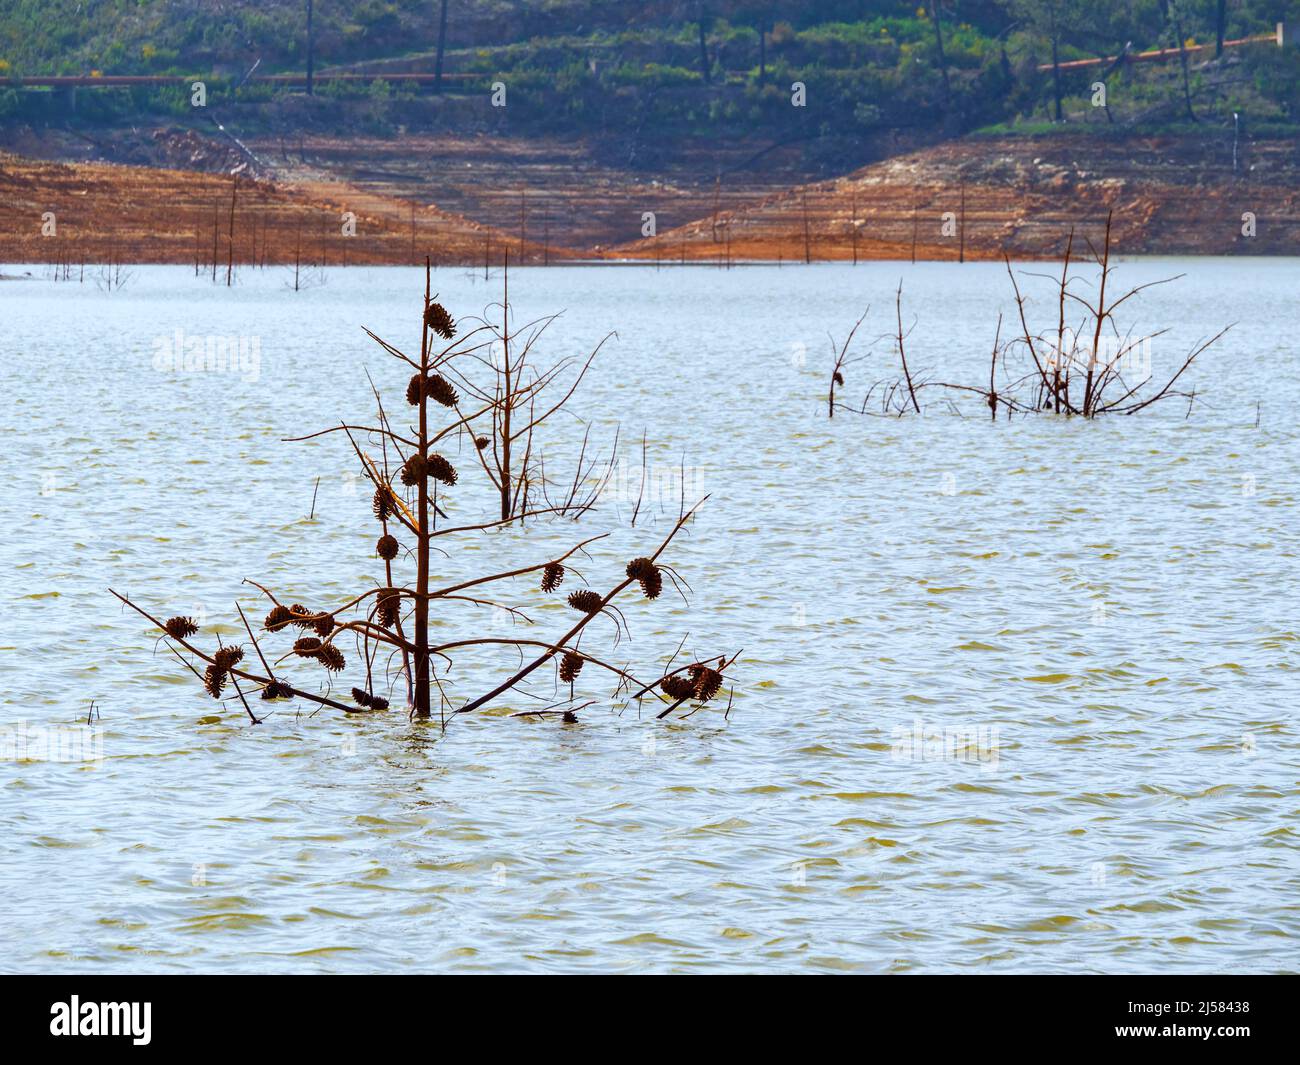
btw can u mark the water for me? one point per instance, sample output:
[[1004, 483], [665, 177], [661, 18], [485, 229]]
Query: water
[[1102, 615]]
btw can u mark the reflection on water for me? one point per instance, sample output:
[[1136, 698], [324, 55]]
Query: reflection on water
[[1013, 697]]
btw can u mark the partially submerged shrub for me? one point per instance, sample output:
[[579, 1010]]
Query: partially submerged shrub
[[1082, 364], [389, 621]]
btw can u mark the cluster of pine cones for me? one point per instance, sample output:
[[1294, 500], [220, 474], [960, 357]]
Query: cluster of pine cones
[[415, 469], [648, 575], [326, 654], [214, 677], [371, 702], [434, 387], [701, 682], [281, 616]]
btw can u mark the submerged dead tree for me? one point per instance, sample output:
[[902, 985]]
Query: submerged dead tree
[[388, 623], [1082, 363]]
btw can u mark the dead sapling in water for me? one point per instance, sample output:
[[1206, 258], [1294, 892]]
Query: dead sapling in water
[[1080, 369], [842, 362], [894, 397], [1083, 364], [386, 625]]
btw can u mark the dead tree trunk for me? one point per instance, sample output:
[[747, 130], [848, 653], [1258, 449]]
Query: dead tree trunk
[[442, 47], [705, 73], [311, 47], [1056, 79], [230, 251], [943, 59]]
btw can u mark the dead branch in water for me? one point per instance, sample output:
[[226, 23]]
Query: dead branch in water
[[1089, 369], [902, 354], [842, 360], [407, 473]]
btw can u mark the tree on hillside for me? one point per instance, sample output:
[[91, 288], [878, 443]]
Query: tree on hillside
[[759, 14], [936, 18], [1176, 19], [310, 46], [442, 45], [704, 20], [1049, 20]]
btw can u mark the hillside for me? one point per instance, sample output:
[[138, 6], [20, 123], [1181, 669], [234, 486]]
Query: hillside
[[107, 213], [780, 129], [1021, 195], [1171, 195], [643, 78]]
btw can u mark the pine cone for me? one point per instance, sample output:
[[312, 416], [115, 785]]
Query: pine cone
[[364, 698], [389, 607], [277, 690], [435, 386], [441, 470], [278, 618], [413, 471], [705, 682], [180, 628], [214, 679], [302, 617], [383, 504], [440, 390], [324, 625], [570, 666], [437, 319], [227, 657], [839, 378], [552, 576], [387, 547], [331, 658], [482, 442], [586, 600], [307, 646], [677, 687], [648, 575]]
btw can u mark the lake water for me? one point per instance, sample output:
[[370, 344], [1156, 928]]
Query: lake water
[[1013, 697]]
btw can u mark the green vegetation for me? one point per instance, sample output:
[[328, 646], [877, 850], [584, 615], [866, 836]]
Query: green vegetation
[[677, 67]]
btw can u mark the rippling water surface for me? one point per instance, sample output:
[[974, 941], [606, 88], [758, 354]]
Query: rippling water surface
[[1013, 697]]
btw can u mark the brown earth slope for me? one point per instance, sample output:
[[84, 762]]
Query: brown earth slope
[[1170, 195], [110, 213], [566, 193]]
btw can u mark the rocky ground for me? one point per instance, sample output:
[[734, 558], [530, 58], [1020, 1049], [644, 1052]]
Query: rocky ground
[[104, 212], [467, 199], [1021, 195]]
